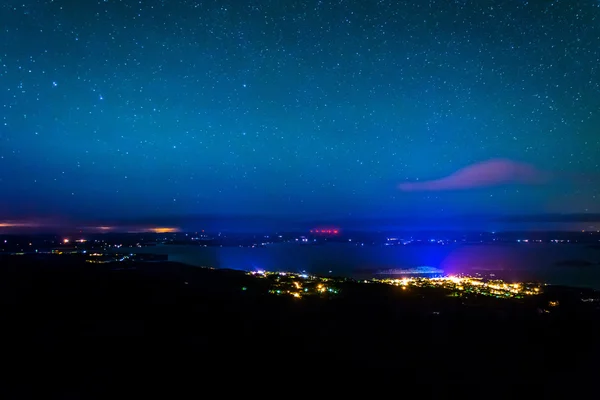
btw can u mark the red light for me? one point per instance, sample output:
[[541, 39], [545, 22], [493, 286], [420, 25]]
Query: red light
[[325, 231]]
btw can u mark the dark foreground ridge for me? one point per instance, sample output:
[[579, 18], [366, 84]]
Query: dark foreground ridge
[[87, 329]]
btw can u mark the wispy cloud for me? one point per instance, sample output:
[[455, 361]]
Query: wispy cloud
[[484, 174]]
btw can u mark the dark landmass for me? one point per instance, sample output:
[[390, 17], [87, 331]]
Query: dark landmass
[[81, 330], [574, 263], [30, 243]]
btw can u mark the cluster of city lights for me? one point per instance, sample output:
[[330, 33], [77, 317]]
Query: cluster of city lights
[[298, 285], [467, 284], [301, 285]]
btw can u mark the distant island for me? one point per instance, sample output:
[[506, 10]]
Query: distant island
[[574, 263]]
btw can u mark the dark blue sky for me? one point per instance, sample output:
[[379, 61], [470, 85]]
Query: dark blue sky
[[134, 109]]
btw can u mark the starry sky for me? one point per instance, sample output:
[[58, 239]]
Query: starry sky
[[133, 109]]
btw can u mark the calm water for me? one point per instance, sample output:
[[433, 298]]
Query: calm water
[[512, 261]]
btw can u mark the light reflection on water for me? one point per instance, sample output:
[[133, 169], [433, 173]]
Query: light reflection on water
[[512, 262]]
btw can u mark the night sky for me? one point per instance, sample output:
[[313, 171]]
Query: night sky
[[133, 109]]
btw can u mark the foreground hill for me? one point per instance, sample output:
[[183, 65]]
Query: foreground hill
[[86, 328]]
